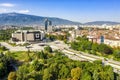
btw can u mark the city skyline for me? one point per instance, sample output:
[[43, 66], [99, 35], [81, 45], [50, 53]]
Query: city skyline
[[75, 10]]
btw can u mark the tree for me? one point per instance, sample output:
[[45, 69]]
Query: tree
[[64, 72], [117, 54], [118, 77], [47, 75], [105, 49], [6, 34], [96, 75], [12, 76], [40, 55], [109, 72], [54, 70], [3, 48], [103, 76], [48, 49], [3, 69], [35, 75], [76, 73], [86, 76], [5, 62], [95, 47], [36, 65], [22, 72]]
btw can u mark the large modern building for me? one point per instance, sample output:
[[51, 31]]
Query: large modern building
[[48, 25], [28, 36]]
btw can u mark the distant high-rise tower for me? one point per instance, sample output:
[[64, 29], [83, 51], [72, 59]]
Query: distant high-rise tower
[[50, 23], [102, 39], [47, 24]]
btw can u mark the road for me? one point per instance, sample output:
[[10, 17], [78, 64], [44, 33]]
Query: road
[[81, 56], [72, 54]]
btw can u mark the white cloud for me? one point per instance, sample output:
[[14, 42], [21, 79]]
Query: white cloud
[[5, 10], [2, 10], [7, 5], [23, 11]]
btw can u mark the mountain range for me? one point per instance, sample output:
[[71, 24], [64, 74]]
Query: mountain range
[[25, 19], [102, 22]]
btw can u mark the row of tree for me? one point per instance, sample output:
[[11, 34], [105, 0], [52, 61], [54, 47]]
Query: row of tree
[[58, 37], [5, 64], [82, 44], [6, 34], [2, 48], [57, 66]]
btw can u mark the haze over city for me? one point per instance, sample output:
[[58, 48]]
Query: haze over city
[[75, 10]]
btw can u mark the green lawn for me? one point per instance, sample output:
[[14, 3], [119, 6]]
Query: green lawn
[[21, 55]]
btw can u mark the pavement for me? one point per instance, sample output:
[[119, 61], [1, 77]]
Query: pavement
[[33, 47]]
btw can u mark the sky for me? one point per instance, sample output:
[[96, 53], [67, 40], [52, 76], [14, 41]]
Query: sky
[[75, 10]]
